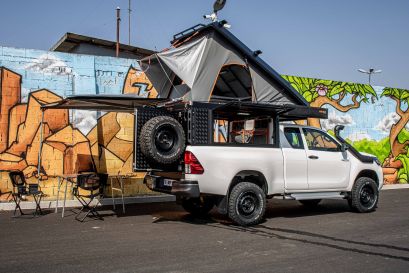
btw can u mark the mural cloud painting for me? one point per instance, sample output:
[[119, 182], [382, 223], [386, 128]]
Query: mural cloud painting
[[334, 119], [50, 64], [385, 125], [84, 120]]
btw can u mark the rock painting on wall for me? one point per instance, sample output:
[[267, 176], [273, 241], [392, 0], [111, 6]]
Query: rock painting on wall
[[73, 141]]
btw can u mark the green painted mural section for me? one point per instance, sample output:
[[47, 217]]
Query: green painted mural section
[[360, 105]]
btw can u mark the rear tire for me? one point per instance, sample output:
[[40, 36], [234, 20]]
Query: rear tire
[[247, 204], [364, 196], [198, 206], [310, 203], [162, 140]]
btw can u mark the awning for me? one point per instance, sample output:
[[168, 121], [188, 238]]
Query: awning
[[107, 103], [248, 110]]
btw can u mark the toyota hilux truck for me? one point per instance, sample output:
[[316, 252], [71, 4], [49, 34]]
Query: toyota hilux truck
[[250, 156]]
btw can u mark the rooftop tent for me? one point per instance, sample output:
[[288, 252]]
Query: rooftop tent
[[209, 62]]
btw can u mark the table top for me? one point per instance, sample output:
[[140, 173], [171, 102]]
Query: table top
[[67, 175], [124, 175]]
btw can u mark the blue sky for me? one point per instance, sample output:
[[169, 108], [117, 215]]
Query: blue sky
[[323, 39]]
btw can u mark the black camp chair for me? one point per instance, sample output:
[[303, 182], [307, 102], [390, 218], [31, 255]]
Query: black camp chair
[[22, 189], [89, 187]]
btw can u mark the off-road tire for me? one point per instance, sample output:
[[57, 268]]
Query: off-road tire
[[162, 140], [364, 196], [198, 206], [247, 204], [310, 203]]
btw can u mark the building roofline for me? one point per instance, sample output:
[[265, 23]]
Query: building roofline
[[70, 40]]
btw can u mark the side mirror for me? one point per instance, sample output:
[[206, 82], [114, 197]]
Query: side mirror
[[344, 147]]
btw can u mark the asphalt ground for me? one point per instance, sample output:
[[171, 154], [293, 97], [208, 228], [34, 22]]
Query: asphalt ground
[[163, 238]]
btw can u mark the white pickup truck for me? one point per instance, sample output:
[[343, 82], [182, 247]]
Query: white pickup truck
[[309, 165]]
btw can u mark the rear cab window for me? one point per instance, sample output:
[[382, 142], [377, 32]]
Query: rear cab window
[[293, 136]]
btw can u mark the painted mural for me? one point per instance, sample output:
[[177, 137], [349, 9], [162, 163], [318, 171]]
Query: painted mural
[[73, 141], [376, 119]]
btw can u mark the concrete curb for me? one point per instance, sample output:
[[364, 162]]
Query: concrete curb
[[395, 187], [74, 203]]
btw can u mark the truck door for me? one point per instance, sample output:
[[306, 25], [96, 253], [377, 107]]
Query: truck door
[[328, 167], [295, 160]]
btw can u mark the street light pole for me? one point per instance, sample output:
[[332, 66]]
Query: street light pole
[[370, 72]]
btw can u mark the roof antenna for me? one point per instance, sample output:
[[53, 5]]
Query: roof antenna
[[217, 6]]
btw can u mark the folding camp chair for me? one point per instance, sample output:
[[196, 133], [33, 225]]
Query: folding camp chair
[[22, 189], [89, 187]]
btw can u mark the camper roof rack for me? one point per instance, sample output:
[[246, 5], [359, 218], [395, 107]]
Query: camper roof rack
[[186, 32]]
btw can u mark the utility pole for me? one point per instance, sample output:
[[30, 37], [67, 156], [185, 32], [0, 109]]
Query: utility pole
[[129, 22], [118, 22]]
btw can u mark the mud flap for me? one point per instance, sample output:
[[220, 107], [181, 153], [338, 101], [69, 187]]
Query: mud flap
[[221, 205]]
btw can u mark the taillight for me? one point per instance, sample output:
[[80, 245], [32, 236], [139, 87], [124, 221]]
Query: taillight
[[192, 165]]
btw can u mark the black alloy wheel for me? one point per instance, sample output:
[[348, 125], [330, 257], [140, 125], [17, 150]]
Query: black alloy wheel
[[162, 140], [364, 195], [246, 204]]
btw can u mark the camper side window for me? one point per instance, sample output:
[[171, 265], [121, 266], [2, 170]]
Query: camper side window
[[246, 132]]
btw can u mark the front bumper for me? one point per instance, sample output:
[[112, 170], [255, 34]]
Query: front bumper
[[183, 188]]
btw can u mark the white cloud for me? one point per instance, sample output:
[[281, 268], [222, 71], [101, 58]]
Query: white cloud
[[334, 119], [50, 64], [359, 136], [24, 94], [84, 120], [385, 125]]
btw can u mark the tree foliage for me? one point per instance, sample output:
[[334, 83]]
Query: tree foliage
[[311, 88], [400, 94]]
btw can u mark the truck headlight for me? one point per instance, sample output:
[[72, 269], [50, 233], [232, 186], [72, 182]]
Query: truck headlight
[[376, 160]]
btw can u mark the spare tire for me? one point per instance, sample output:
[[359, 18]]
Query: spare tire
[[162, 140]]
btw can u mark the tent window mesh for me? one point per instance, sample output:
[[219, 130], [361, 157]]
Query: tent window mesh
[[234, 81]]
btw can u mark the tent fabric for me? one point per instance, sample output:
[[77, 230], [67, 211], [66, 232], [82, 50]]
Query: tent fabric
[[184, 61], [199, 63], [267, 92]]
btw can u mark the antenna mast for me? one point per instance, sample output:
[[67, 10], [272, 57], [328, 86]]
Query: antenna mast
[[129, 22]]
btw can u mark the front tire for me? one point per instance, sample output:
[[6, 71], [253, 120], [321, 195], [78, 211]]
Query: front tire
[[364, 195], [198, 206], [247, 204]]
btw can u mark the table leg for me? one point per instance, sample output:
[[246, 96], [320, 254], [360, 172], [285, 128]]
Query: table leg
[[65, 198], [112, 192], [121, 180], [58, 194]]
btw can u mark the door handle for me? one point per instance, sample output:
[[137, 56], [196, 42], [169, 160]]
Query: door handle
[[313, 157]]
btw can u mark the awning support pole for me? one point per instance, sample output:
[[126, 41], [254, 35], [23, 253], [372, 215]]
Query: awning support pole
[[41, 146]]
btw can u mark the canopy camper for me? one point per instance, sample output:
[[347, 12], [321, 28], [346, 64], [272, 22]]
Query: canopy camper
[[207, 76]]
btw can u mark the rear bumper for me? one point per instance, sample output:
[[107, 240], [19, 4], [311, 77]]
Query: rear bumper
[[183, 188]]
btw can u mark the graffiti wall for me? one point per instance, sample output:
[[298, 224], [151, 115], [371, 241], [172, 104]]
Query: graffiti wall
[[73, 141], [375, 118]]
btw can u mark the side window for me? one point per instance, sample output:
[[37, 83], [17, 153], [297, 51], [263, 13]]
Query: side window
[[293, 136], [320, 141]]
